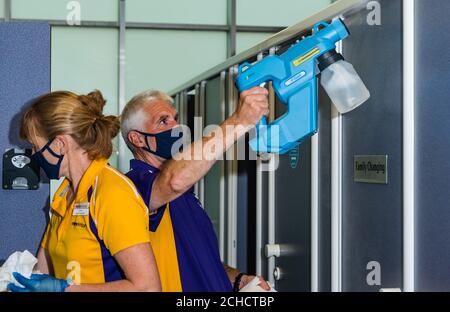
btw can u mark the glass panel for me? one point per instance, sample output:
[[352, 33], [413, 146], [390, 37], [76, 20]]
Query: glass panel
[[166, 59], [90, 10], [176, 11], [84, 59], [82, 67], [2, 8], [128, 155], [288, 12], [246, 40]]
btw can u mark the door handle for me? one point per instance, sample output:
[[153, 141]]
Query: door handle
[[272, 250], [278, 250]]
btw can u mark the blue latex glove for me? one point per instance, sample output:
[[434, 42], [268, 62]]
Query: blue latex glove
[[38, 283]]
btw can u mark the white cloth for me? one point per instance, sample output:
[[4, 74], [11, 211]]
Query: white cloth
[[22, 262], [253, 286]]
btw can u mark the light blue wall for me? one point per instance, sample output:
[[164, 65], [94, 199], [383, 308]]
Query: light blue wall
[[91, 10], [276, 13], [2, 8], [165, 59], [245, 40], [176, 11], [261, 13], [84, 60]]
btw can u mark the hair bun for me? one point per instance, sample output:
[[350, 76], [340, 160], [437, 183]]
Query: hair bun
[[107, 124], [94, 101]]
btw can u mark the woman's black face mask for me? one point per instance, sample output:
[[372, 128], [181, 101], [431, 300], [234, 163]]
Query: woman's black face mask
[[51, 170]]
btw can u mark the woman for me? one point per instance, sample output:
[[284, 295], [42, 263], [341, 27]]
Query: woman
[[98, 236]]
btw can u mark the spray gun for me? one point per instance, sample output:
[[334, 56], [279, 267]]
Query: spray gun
[[293, 75]]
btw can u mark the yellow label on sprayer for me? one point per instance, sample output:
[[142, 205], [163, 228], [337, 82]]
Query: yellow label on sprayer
[[305, 57]]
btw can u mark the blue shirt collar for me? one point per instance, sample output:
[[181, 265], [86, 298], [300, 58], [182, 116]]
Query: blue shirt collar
[[140, 165]]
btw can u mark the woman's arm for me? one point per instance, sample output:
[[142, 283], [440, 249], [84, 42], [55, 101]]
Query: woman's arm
[[139, 266], [44, 262]]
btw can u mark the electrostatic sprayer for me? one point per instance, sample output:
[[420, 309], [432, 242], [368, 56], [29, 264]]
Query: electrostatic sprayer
[[293, 75]]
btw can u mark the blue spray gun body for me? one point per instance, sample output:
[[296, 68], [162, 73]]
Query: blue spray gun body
[[293, 75]]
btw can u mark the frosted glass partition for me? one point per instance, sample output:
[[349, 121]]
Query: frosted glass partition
[[245, 40], [176, 11], [165, 59], [90, 10], [288, 12], [84, 59], [2, 8]]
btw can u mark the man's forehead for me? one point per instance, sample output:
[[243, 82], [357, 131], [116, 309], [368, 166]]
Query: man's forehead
[[159, 108]]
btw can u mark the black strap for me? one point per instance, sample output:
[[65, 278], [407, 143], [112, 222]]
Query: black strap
[[237, 281]]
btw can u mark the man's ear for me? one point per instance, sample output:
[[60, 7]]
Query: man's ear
[[136, 139]]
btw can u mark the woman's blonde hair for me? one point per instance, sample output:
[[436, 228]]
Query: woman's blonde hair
[[80, 116]]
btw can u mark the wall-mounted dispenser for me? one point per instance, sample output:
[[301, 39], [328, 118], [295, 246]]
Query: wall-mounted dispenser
[[19, 172]]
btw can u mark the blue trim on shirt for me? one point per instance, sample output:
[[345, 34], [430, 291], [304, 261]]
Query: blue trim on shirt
[[196, 243], [111, 269]]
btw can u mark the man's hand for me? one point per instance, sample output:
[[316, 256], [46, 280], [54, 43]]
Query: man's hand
[[38, 283], [248, 278], [253, 105]]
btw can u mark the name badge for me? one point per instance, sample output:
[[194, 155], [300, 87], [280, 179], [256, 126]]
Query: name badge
[[81, 209]]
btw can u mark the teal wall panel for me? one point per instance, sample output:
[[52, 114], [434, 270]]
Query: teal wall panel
[[276, 13], [176, 11], [90, 10], [84, 59]]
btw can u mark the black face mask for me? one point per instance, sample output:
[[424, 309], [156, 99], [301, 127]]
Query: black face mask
[[164, 142], [52, 171]]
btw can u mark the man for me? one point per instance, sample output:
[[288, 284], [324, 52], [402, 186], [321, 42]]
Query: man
[[182, 235]]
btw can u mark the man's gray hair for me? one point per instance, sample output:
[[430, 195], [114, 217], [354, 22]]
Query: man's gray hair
[[133, 117]]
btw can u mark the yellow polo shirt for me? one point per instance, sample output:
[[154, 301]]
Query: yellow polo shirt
[[107, 216]]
